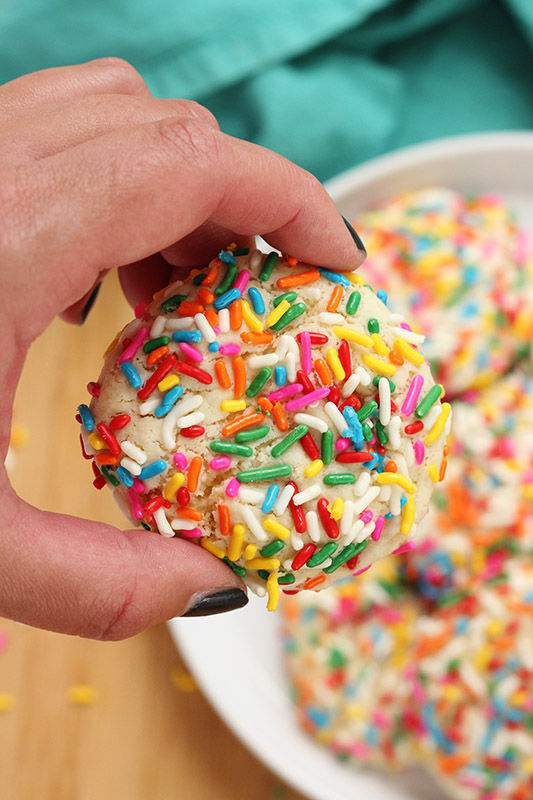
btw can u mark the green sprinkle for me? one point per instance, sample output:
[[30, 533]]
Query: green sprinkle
[[145, 526], [381, 433], [258, 382], [264, 474], [109, 475], [457, 295], [172, 303], [263, 573], [230, 447], [289, 316], [379, 378], [288, 441], [367, 410], [252, 435], [320, 555], [339, 478], [429, 400], [268, 266], [153, 344], [227, 280], [288, 578], [288, 296], [345, 555], [451, 598], [240, 571], [337, 659], [367, 432], [327, 447], [353, 303], [198, 278], [241, 251], [392, 588], [373, 325], [272, 548]]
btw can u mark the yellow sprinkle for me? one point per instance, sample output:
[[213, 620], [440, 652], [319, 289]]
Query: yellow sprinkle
[[433, 473], [382, 367], [279, 530], [313, 468], [482, 657], [495, 627], [168, 383], [353, 277], [113, 344], [96, 441], [251, 320], [518, 698], [236, 542], [353, 336], [408, 352], [277, 313], [337, 508], [183, 681], [438, 427], [527, 491], [408, 516], [397, 480], [379, 345], [522, 326], [213, 548], [451, 693], [176, 481], [484, 379], [332, 357], [249, 552], [7, 702], [233, 405], [273, 591], [263, 563], [355, 711], [82, 695], [528, 765]]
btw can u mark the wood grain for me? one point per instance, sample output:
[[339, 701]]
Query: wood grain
[[144, 737]]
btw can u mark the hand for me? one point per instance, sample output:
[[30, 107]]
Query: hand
[[95, 174]]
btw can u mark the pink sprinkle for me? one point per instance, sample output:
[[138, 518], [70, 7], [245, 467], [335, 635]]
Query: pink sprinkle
[[232, 489], [180, 461], [136, 505], [4, 639], [412, 395], [522, 247], [286, 391], [373, 439], [220, 462], [242, 281], [307, 399], [305, 344], [191, 352], [342, 444], [419, 451], [376, 533], [138, 486], [366, 516], [405, 326], [404, 548], [380, 719], [195, 533], [139, 309], [229, 349], [130, 351], [360, 571], [216, 329]]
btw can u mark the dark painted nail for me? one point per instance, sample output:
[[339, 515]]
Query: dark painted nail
[[90, 302], [216, 602], [355, 236]]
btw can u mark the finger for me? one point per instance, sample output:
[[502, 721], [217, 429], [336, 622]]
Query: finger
[[101, 76], [141, 280], [89, 579]]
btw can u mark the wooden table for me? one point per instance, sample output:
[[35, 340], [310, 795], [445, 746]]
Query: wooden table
[[149, 734]]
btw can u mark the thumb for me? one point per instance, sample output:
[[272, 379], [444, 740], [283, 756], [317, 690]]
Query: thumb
[[79, 577]]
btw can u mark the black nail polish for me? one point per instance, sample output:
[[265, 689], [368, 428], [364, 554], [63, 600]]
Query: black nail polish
[[355, 236], [217, 602], [90, 302]]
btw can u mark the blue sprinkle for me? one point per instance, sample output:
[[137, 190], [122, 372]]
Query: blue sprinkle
[[227, 257], [383, 295], [470, 310], [213, 347], [187, 336], [257, 300], [169, 398], [403, 501], [280, 376], [86, 417], [270, 499], [153, 469], [319, 716], [124, 476], [227, 298], [470, 275], [335, 277], [131, 374], [428, 715], [372, 736], [355, 429], [370, 465]]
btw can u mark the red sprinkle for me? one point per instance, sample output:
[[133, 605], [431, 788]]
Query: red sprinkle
[[328, 523], [108, 438], [334, 395], [303, 556], [78, 419], [99, 482], [302, 378], [379, 448], [119, 422], [297, 512], [152, 505], [309, 446], [183, 496], [316, 338], [96, 471], [414, 427], [193, 432], [85, 455], [160, 373], [352, 563], [345, 357], [126, 342], [352, 401], [353, 458], [93, 389], [193, 372]]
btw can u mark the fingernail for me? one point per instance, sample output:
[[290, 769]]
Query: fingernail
[[216, 602], [355, 236], [90, 302]]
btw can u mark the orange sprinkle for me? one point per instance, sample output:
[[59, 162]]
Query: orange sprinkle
[[278, 412], [211, 277], [391, 467], [211, 316], [396, 358], [217, 262], [323, 372], [157, 355], [265, 404], [221, 372], [187, 308], [453, 762], [257, 338], [190, 513], [194, 473], [291, 261], [160, 293], [335, 298], [442, 470], [235, 315], [223, 519], [242, 422], [290, 281], [312, 582], [106, 458], [239, 374], [206, 296]]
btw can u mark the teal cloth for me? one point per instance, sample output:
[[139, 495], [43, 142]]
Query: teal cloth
[[327, 83]]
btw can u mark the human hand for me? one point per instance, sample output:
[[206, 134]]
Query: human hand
[[96, 174]]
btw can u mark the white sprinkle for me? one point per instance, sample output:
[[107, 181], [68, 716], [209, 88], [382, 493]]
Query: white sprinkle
[[313, 528], [314, 292], [290, 364], [347, 517], [385, 493], [250, 495], [205, 328], [223, 320], [312, 422], [395, 319], [258, 362], [309, 493], [384, 401], [287, 564], [353, 533], [393, 432], [158, 327], [331, 319], [132, 466], [365, 500], [256, 257], [366, 532], [182, 324], [256, 585], [395, 501], [184, 524], [432, 417], [363, 374], [188, 404], [409, 336], [149, 406], [167, 429], [196, 418], [162, 522], [351, 385], [448, 425], [283, 347], [296, 540], [253, 524], [293, 348], [336, 417], [133, 451], [362, 483], [283, 500]]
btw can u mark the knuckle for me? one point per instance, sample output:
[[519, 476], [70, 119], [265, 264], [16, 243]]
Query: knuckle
[[119, 74], [197, 111], [197, 143]]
